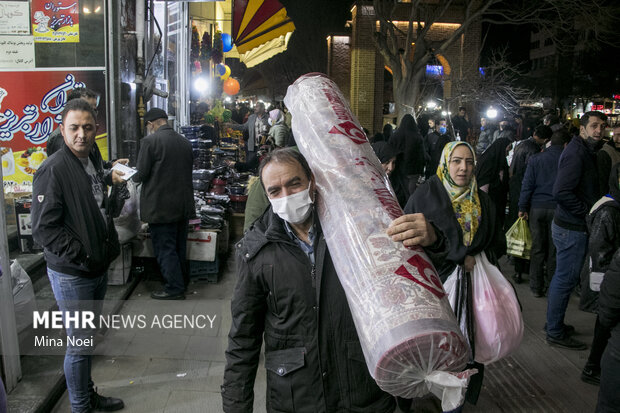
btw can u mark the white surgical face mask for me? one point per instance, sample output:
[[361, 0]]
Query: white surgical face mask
[[295, 208]]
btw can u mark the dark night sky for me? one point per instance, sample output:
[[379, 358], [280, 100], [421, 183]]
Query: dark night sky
[[315, 19]]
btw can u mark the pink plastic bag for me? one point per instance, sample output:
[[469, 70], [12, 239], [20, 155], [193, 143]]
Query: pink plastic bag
[[497, 314]]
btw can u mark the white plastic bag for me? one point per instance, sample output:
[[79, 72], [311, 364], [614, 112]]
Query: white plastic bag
[[497, 313], [24, 300], [408, 332], [128, 222]]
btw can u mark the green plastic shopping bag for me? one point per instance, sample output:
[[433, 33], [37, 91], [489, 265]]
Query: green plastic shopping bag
[[519, 240]]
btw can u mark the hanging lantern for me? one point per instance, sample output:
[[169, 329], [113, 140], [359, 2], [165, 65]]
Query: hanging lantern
[[231, 86], [227, 42]]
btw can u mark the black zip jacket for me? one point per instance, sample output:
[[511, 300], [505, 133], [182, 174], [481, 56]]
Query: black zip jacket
[[609, 300], [66, 220], [576, 186], [313, 356]]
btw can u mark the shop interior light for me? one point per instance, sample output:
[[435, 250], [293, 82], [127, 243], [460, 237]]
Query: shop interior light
[[431, 104], [98, 9], [86, 10], [201, 85], [227, 99], [444, 113], [491, 113]]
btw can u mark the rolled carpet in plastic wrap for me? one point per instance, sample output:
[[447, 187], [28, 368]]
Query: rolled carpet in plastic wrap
[[409, 334]]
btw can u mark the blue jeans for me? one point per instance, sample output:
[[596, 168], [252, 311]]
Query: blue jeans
[[169, 246], [571, 248], [74, 293]]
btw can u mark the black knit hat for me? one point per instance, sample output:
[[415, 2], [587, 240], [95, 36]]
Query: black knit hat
[[154, 114]]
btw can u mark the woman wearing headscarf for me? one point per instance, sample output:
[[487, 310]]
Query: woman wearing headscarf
[[388, 156], [279, 132], [407, 140], [387, 131], [451, 202]]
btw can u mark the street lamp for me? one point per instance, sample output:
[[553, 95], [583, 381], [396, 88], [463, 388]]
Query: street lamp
[[491, 113]]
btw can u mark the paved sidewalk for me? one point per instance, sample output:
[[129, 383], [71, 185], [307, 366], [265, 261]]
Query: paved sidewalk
[[180, 370]]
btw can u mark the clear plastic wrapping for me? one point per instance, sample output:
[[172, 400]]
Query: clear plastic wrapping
[[408, 331]]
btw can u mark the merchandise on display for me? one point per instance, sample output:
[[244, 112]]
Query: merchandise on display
[[218, 189]]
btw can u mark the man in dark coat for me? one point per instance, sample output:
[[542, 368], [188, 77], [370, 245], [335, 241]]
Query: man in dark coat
[[604, 231], [461, 124], [166, 199], [257, 126], [575, 191], [71, 221], [537, 206], [522, 153], [606, 158], [487, 133], [289, 293]]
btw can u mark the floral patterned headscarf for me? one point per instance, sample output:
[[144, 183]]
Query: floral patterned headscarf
[[465, 200]]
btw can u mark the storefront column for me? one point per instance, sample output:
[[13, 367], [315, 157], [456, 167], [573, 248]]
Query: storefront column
[[9, 344]]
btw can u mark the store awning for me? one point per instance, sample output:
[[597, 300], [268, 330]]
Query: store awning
[[261, 29]]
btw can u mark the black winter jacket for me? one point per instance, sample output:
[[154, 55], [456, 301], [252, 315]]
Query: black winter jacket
[[313, 356], [609, 300], [576, 186], [604, 225], [164, 167], [604, 229], [66, 220]]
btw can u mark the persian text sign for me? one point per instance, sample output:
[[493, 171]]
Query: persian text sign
[[55, 21], [30, 108], [16, 52], [14, 17]]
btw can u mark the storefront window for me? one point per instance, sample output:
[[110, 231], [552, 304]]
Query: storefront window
[[169, 74]]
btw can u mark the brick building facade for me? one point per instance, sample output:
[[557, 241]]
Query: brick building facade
[[358, 69]]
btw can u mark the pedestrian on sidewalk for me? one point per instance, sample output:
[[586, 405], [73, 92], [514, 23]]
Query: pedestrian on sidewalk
[[288, 292], [166, 199], [406, 139], [604, 230], [575, 191], [522, 153], [464, 215], [537, 206], [72, 222]]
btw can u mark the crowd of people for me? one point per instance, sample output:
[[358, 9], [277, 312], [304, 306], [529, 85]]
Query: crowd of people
[[460, 192], [454, 186]]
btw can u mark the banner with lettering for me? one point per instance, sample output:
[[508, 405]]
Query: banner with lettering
[[30, 107], [55, 21], [16, 52], [14, 17]]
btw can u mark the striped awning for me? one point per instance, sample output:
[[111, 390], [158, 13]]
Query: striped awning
[[261, 29]]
